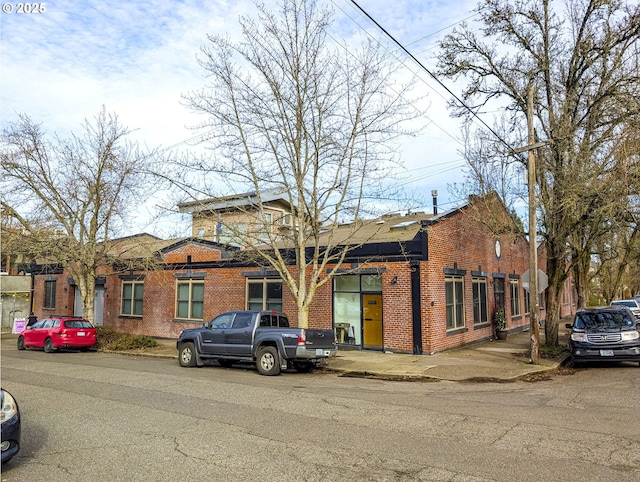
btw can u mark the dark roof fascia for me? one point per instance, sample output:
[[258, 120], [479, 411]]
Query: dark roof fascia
[[440, 217], [375, 252], [41, 269], [412, 249]]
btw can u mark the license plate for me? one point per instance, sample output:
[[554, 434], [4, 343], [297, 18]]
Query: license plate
[[606, 352], [81, 333], [321, 352]]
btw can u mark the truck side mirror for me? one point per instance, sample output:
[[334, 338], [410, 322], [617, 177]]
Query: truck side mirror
[[206, 325], [568, 325]]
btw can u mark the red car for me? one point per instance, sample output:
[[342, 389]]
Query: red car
[[58, 332]]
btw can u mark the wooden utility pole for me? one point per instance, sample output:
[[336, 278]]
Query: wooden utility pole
[[534, 303]]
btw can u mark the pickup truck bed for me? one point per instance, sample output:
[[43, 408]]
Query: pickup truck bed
[[260, 337]]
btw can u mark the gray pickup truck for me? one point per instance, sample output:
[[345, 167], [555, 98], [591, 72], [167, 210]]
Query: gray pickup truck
[[260, 337]]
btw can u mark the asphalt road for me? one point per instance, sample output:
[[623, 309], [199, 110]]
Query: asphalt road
[[109, 417]]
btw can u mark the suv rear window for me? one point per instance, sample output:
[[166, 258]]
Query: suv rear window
[[77, 324], [606, 319]]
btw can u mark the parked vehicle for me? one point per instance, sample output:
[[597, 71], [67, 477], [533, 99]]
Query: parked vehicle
[[633, 304], [58, 332], [10, 417], [260, 337], [609, 333]]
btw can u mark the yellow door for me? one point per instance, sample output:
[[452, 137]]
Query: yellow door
[[372, 318]]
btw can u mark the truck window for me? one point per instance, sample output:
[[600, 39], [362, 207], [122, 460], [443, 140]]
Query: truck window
[[283, 322], [222, 321], [242, 320], [266, 320]]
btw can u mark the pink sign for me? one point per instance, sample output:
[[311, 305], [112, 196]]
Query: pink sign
[[19, 326]]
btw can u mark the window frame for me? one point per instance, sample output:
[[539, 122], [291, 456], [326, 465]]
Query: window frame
[[514, 292], [267, 303], [50, 294], [480, 300], [454, 307], [190, 301], [133, 300]]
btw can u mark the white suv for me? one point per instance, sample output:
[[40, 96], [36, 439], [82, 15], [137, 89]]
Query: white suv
[[633, 304]]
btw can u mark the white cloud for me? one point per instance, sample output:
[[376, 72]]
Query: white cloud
[[138, 58]]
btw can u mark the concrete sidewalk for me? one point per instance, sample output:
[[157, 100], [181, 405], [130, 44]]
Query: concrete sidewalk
[[496, 360]]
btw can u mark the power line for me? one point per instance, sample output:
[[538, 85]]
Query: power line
[[402, 62], [423, 67]]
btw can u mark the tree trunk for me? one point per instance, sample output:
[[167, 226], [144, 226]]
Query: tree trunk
[[553, 318], [556, 271], [581, 278], [303, 315], [87, 289]]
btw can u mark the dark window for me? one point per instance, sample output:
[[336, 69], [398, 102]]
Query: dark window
[[272, 319], [283, 322], [454, 289], [264, 294], [480, 300], [190, 300], [515, 298], [242, 320], [132, 298], [50, 294], [77, 324]]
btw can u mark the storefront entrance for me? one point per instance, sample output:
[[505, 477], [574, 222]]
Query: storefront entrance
[[372, 321], [357, 310]]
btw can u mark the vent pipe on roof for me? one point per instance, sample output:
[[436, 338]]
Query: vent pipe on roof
[[434, 195]]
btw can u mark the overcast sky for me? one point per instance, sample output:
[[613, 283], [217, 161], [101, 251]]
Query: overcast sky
[[137, 58]]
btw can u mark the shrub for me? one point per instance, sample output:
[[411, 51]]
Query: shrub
[[553, 352], [110, 339], [105, 336]]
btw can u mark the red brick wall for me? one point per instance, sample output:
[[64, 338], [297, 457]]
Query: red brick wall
[[224, 290], [459, 241], [198, 253], [397, 308], [64, 296], [462, 242]]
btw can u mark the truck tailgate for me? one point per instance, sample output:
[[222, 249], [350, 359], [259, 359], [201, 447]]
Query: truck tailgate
[[321, 339]]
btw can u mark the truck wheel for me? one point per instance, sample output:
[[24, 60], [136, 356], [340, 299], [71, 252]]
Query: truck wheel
[[187, 355], [48, 346], [268, 362], [21, 343], [303, 366]]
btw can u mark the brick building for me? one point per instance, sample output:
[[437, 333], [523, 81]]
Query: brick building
[[419, 284]]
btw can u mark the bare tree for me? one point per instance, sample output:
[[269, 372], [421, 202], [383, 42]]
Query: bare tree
[[583, 64], [617, 255], [286, 113], [70, 196]]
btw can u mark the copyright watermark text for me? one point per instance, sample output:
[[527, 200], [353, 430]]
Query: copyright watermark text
[[24, 8]]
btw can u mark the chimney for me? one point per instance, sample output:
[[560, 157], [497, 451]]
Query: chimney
[[434, 195]]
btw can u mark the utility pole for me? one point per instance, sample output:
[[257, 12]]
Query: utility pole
[[534, 303]]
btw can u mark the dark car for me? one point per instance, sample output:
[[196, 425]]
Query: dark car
[[606, 334], [10, 426], [260, 337], [58, 332]]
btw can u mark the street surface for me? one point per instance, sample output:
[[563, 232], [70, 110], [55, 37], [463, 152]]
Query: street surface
[[109, 417]]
